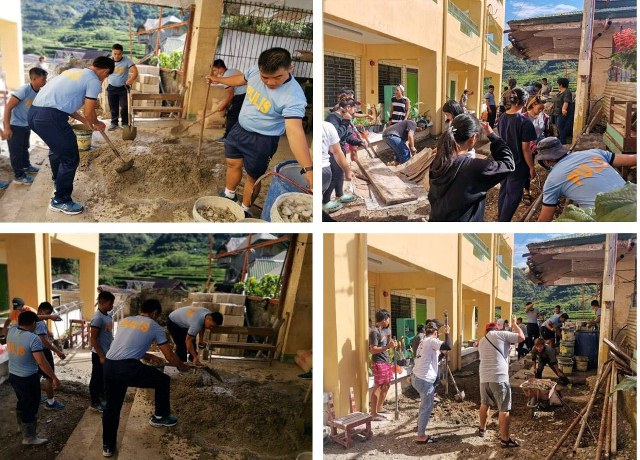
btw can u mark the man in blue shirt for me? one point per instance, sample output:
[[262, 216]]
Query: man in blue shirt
[[186, 323], [275, 103], [48, 117], [25, 355], [42, 331], [548, 328], [122, 369], [16, 127], [101, 338], [490, 100], [234, 97], [578, 176], [120, 81]]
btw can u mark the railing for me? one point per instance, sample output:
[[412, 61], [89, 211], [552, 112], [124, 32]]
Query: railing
[[505, 273], [467, 26], [493, 46], [79, 330], [480, 249]]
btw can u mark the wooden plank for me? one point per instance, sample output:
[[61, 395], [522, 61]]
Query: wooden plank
[[243, 345], [261, 331], [155, 97], [614, 414], [157, 109], [388, 185]]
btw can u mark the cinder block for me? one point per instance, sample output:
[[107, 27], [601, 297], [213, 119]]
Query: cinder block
[[207, 305], [201, 297], [148, 69], [149, 88], [230, 320]]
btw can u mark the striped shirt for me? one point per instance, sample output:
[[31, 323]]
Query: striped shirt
[[398, 109]]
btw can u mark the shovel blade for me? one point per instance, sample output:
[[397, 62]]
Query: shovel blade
[[125, 167], [129, 133]]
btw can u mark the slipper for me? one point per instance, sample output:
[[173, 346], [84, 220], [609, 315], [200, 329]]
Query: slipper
[[383, 411], [379, 418], [347, 198], [332, 206], [429, 440], [509, 443]]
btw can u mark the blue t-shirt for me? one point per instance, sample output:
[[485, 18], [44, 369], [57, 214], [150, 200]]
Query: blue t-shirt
[[532, 316], [491, 97], [104, 322], [67, 91], [264, 110], [554, 321], [121, 72], [237, 90], [135, 336], [191, 318], [41, 328], [21, 345], [25, 94], [579, 176]]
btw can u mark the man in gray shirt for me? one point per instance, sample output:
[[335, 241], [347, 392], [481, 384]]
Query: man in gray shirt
[[396, 137], [493, 350]]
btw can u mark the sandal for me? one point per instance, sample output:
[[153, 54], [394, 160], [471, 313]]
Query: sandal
[[429, 440], [332, 206], [509, 443], [379, 418], [346, 198]]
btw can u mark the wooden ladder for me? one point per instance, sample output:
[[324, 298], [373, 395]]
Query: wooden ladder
[[344, 428]]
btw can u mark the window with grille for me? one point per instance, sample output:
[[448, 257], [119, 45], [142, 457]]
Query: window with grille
[[400, 308], [387, 75], [338, 73]]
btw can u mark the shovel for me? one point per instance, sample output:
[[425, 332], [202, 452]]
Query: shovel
[[195, 367], [459, 394], [127, 165], [129, 132], [180, 129]]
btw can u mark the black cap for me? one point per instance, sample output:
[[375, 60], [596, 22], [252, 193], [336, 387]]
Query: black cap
[[17, 302]]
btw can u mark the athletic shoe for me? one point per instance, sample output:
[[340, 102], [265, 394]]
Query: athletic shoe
[[169, 420], [112, 127], [70, 207], [43, 399], [305, 376], [32, 169], [125, 125], [220, 140], [57, 405], [107, 451], [24, 180], [235, 198], [3, 184], [98, 407]]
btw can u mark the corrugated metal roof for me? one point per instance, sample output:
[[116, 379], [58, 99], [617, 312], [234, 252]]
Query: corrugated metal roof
[[263, 267]]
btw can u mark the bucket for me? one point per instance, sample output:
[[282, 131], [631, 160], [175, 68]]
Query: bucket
[[582, 363], [568, 334], [291, 170], [567, 347], [299, 197], [217, 202], [566, 365], [83, 136]]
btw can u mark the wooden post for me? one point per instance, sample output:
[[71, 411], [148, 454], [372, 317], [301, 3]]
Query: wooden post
[[608, 295], [566, 434], [601, 379], [159, 31], [584, 66], [614, 417], [603, 417]]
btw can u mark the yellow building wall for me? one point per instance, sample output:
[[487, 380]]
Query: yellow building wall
[[11, 43], [25, 267]]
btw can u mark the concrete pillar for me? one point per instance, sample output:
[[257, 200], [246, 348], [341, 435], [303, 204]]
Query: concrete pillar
[[88, 280], [446, 300], [205, 33], [11, 43], [26, 273]]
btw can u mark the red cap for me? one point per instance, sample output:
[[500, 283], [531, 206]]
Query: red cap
[[492, 326]]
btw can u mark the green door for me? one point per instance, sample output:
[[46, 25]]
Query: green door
[[452, 90], [4, 288], [421, 311], [412, 87], [389, 90]]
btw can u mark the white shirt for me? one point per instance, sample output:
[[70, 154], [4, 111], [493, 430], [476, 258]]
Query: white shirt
[[329, 138], [426, 363]]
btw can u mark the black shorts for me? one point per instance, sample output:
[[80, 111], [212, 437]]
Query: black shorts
[[254, 149], [547, 334], [48, 355]]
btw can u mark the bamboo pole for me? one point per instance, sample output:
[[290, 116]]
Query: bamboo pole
[[607, 432], [566, 434], [603, 376], [603, 418], [614, 417]]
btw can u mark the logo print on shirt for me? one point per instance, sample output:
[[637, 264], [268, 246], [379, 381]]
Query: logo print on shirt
[[586, 170], [28, 102], [119, 70], [72, 74], [14, 349], [262, 103], [129, 323]]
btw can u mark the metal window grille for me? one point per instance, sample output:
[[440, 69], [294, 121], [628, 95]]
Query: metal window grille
[[339, 73], [387, 75], [249, 28]]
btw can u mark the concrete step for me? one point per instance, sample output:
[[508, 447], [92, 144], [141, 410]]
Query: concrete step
[[85, 443]]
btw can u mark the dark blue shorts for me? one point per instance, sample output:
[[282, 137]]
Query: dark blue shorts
[[254, 149]]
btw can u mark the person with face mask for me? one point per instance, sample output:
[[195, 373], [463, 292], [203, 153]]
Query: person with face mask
[[459, 183], [578, 176]]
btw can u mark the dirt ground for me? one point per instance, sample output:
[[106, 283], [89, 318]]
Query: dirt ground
[[454, 424], [164, 182], [256, 413], [55, 425]]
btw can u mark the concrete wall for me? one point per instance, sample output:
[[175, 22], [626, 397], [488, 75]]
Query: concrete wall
[[11, 43]]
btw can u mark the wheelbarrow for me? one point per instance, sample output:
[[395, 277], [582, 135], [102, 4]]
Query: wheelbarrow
[[540, 393]]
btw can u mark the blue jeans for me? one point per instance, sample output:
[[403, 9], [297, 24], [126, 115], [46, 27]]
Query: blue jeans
[[53, 128], [427, 393], [337, 181], [19, 149], [562, 122], [510, 193], [399, 148]]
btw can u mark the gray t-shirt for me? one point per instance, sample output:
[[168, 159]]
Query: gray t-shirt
[[532, 316], [103, 322], [377, 338], [191, 318], [548, 354], [400, 129], [135, 336], [494, 363]]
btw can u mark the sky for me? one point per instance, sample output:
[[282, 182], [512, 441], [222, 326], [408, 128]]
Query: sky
[[522, 9], [521, 241]]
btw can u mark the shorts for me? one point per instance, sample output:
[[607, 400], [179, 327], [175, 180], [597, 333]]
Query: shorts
[[496, 394], [254, 149], [49, 357], [382, 373], [547, 334]]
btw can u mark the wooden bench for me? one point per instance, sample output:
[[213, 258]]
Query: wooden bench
[[344, 428], [268, 346], [176, 98]]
